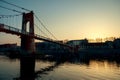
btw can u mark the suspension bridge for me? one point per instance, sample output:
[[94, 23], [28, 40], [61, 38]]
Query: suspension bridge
[[27, 33]]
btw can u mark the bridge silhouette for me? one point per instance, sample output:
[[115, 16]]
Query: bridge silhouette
[[27, 37], [27, 33]]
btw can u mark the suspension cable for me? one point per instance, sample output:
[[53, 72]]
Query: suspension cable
[[14, 5], [41, 30], [11, 9], [25, 10], [45, 27], [6, 16]]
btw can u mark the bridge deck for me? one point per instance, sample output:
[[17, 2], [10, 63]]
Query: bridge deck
[[18, 32]]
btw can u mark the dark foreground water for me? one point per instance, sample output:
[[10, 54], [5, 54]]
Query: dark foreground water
[[10, 69]]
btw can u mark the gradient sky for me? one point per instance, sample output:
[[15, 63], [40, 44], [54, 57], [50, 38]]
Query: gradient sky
[[72, 19]]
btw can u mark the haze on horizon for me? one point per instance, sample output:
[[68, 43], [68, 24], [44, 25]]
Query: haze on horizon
[[72, 19]]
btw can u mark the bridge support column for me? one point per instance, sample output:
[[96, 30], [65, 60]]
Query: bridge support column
[[27, 42], [27, 59]]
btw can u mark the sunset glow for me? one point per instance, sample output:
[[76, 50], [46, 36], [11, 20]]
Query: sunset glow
[[74, 19]]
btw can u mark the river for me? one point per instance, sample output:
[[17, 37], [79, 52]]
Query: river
[[67, 70]]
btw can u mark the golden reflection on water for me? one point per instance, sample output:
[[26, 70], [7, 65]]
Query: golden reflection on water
[[93, 70], [103, 66], [96, 70]]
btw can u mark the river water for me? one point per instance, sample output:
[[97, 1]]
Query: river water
[[68, 70]]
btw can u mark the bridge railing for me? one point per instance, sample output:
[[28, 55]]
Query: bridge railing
[[6, 27], [3, 26]]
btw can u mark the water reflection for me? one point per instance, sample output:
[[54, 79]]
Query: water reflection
[[47, 69], [81, 67], [27, 68], [103, 66]]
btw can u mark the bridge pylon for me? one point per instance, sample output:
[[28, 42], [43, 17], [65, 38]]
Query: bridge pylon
[[27, 42]]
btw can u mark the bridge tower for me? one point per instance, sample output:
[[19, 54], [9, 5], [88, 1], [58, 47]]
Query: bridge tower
[[27, 42]]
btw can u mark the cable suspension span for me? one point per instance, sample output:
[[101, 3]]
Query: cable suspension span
[[45, 27], [14, 5], [11, 9], [11, 20], [22, 12]]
